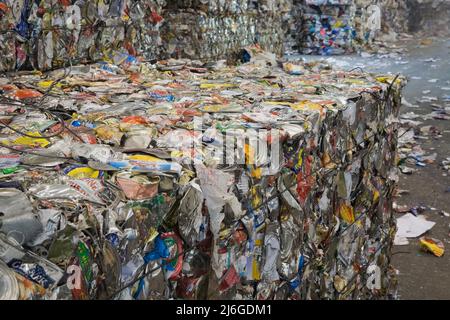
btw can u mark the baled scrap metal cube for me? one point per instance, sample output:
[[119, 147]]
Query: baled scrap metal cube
[[267, 180]]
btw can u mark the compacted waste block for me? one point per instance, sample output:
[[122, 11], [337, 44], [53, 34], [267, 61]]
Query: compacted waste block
[[177, 179]]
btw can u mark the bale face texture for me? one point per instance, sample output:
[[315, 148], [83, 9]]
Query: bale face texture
[[328, 27], [209, 38], [328, 229]]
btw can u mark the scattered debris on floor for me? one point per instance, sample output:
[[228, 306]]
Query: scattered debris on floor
[[433, 246], [411, 226]]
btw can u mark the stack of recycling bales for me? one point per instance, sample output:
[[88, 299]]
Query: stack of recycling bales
[[211, 30], [49, 34]]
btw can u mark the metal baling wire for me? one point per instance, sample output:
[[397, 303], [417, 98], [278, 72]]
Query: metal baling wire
[[63, 127], [356, 68], [277, 195], [37, 154], [34, 136], [39, 108], [57, 28], [31, 105]]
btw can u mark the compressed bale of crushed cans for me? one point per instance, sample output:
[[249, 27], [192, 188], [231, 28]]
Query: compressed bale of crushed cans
[[214, 7], [339, 27], [363, 35], [394, 16], [328, 27], [7, 43], [48, 34], [292, 24], [135, 201], [378, 20], [211, 30], [197, 36]]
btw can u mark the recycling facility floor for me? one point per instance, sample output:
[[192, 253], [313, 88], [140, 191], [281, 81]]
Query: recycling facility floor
[[427, 65]]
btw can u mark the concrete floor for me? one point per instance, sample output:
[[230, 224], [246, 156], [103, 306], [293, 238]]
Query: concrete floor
[[421, 275]]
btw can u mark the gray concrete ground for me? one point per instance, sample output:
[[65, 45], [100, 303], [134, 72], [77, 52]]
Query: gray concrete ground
[[421, 275]]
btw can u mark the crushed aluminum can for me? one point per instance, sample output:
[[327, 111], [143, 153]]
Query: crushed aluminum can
[[138, 187], [9, 287]]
